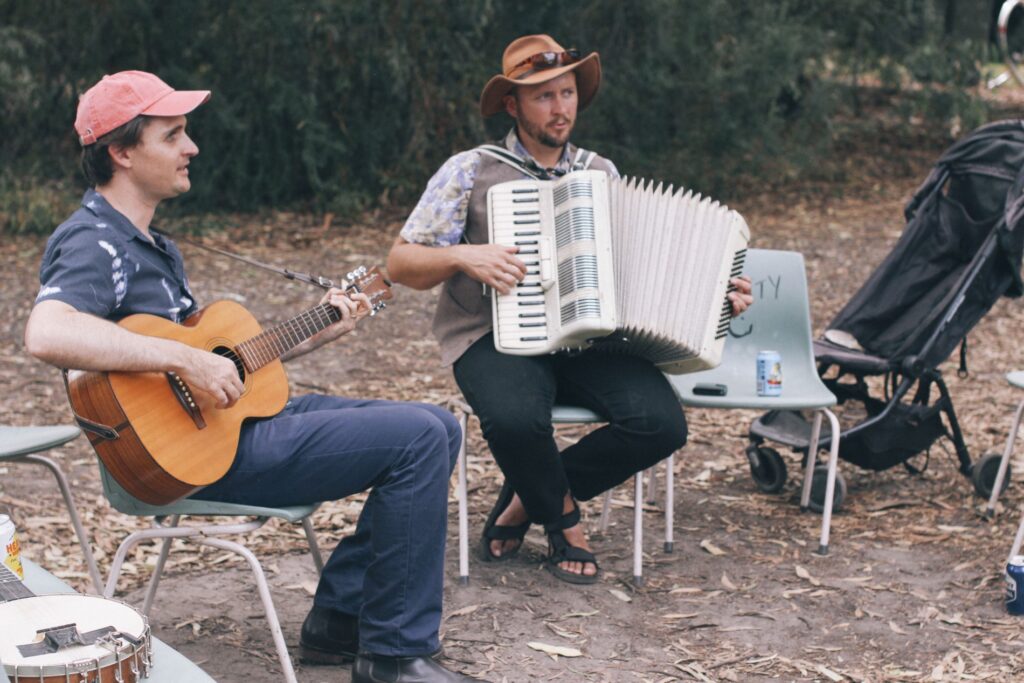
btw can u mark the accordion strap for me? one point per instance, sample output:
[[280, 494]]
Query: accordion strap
[[581, 161], [506, 157]]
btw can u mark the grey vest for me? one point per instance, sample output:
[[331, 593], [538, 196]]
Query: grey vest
[[463, 314]]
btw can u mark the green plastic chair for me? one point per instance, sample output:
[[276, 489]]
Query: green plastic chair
[[779, 320], [169, 665], [166, 526], [23, 445]]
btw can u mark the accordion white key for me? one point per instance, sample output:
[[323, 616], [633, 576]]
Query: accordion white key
[[617, 263]]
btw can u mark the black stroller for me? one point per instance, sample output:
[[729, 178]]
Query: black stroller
[[960, 251]]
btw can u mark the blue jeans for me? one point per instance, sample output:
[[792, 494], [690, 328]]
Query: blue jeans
[[319, 448]]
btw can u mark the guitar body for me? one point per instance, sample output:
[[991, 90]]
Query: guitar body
[[165, 449]]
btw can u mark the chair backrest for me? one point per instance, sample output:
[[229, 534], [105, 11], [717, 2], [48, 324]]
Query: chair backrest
[[118, 497], [779, 320]]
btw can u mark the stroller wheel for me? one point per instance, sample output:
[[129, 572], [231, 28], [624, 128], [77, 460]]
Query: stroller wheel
[[819, 482], [767, 468], [983, 474]]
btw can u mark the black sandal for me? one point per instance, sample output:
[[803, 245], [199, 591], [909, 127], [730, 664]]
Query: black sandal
[[496, 532], [559, 551]]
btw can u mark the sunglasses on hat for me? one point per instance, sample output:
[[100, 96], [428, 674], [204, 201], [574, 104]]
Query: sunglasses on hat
[[549, 60]]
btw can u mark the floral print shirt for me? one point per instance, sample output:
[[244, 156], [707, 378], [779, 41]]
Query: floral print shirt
[[439, 218]]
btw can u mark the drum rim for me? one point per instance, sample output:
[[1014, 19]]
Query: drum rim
[[140, 651], [123, 653]]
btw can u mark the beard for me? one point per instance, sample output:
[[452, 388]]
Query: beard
[[538, 133]]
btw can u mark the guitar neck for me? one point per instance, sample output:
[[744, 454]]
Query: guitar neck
[[273, 343], [11, 587]]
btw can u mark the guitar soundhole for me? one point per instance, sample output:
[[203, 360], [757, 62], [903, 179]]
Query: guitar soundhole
[[234, 358]]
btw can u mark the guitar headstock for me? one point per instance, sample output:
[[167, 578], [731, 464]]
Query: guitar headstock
[[373, 283]]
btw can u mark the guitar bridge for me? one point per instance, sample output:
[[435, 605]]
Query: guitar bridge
[[183, 393]]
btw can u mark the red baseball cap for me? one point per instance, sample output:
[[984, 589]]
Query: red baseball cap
[[119, 98]]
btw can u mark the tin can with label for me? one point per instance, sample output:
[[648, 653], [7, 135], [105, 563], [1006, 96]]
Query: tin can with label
[[9, 546], [769, 373], [1014, 577]]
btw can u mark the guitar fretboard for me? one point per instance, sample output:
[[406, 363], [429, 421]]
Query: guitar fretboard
[[11, 587], [271, 344]]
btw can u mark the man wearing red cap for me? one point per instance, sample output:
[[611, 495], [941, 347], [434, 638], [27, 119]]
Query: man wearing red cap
[[445, 240], [379, 597]]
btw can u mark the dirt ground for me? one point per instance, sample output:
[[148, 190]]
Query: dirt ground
[[911, 590]]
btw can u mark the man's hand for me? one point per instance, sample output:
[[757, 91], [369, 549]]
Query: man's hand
[[352, 307], [494, 265], [741, 299], [212, 374]]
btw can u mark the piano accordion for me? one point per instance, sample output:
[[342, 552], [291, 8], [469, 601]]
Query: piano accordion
[[619, 264]]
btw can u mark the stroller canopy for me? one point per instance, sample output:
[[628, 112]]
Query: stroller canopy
[[960, 251]]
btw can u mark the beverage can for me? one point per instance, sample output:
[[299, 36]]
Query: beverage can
[[1014, 577], [769, 373], [10, 546]]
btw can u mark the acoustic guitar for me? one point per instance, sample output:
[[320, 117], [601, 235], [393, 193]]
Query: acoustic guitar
[[162, 441], [70, 637]]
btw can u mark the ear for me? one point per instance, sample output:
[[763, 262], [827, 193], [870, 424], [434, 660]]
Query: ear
[[511, 105], [121, 157]]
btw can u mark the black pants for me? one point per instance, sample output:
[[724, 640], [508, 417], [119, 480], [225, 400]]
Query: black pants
[[513, 397]]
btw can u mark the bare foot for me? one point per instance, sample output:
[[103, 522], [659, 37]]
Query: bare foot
[[513, 515]]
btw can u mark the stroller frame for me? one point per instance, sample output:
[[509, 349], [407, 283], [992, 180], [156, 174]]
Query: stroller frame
[[904, 371]]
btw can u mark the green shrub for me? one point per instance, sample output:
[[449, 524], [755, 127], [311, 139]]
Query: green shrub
[[340, 104], [29, 205]]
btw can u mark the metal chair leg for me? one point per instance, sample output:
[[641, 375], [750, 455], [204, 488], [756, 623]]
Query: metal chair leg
[[314, 547], [461, 494], [638, 530], [268, 603], [669, 502], [161, 532], [830, 482], [1015, 548], [202, 536], [652, 485], [1004, 462], [127, 544], [158, 570], [606, 509], [812, 460], [76, 522]]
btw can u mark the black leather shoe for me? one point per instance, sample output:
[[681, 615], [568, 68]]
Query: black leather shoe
[[377, 669], [329, 637]]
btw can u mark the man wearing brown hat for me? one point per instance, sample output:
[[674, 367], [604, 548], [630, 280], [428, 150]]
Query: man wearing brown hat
[[445, 240], [379, 596]]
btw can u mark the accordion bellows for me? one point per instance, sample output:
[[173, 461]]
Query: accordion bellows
[[619, 264]]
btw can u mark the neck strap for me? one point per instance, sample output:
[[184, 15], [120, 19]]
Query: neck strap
[[318, 280]]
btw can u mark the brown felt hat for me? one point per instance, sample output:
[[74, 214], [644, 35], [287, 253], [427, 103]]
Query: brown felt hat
[[525, 62]]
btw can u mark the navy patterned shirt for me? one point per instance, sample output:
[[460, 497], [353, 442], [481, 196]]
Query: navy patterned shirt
[[98, 262]]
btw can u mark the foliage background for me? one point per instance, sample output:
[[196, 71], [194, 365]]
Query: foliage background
[[340, 105]]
